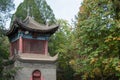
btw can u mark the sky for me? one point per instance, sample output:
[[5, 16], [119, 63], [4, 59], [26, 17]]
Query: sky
[[63, 9]]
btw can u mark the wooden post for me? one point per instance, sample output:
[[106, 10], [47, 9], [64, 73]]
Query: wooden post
[[46, 47], [21, 44]]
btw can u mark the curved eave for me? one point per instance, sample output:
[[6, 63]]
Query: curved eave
[[21, 25], [51, 31], [12, 29], [36, 58]]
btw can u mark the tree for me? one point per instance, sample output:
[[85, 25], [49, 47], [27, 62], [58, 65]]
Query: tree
[[98, 39], [5, 7], [38, 9], [61, 43], [46, 12]]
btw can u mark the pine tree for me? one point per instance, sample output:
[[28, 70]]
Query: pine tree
[[37, 9]]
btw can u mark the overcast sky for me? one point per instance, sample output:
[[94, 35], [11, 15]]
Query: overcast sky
[[63, 9]]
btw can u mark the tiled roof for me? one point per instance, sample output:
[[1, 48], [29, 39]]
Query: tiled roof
[[31, 25]]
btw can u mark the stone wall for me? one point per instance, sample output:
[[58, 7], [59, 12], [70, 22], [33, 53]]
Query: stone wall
[[48, 70]]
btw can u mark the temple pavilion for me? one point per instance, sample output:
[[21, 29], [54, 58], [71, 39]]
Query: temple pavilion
[[29, 48]]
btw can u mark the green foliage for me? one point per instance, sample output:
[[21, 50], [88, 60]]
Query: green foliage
[[5, 7], [38, 9], [61, 42], [46, 12], [60, 38], [6, 70], [99, 40]]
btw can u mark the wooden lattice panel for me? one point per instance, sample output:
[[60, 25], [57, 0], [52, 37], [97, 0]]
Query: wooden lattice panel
[[34, 46]]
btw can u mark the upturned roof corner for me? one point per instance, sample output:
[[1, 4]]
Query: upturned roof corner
[[30, 24]]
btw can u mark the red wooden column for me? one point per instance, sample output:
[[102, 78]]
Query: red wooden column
[[46, 47], [21, 44]]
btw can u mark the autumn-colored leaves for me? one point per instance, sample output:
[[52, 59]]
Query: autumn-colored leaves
[[112, 39]]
